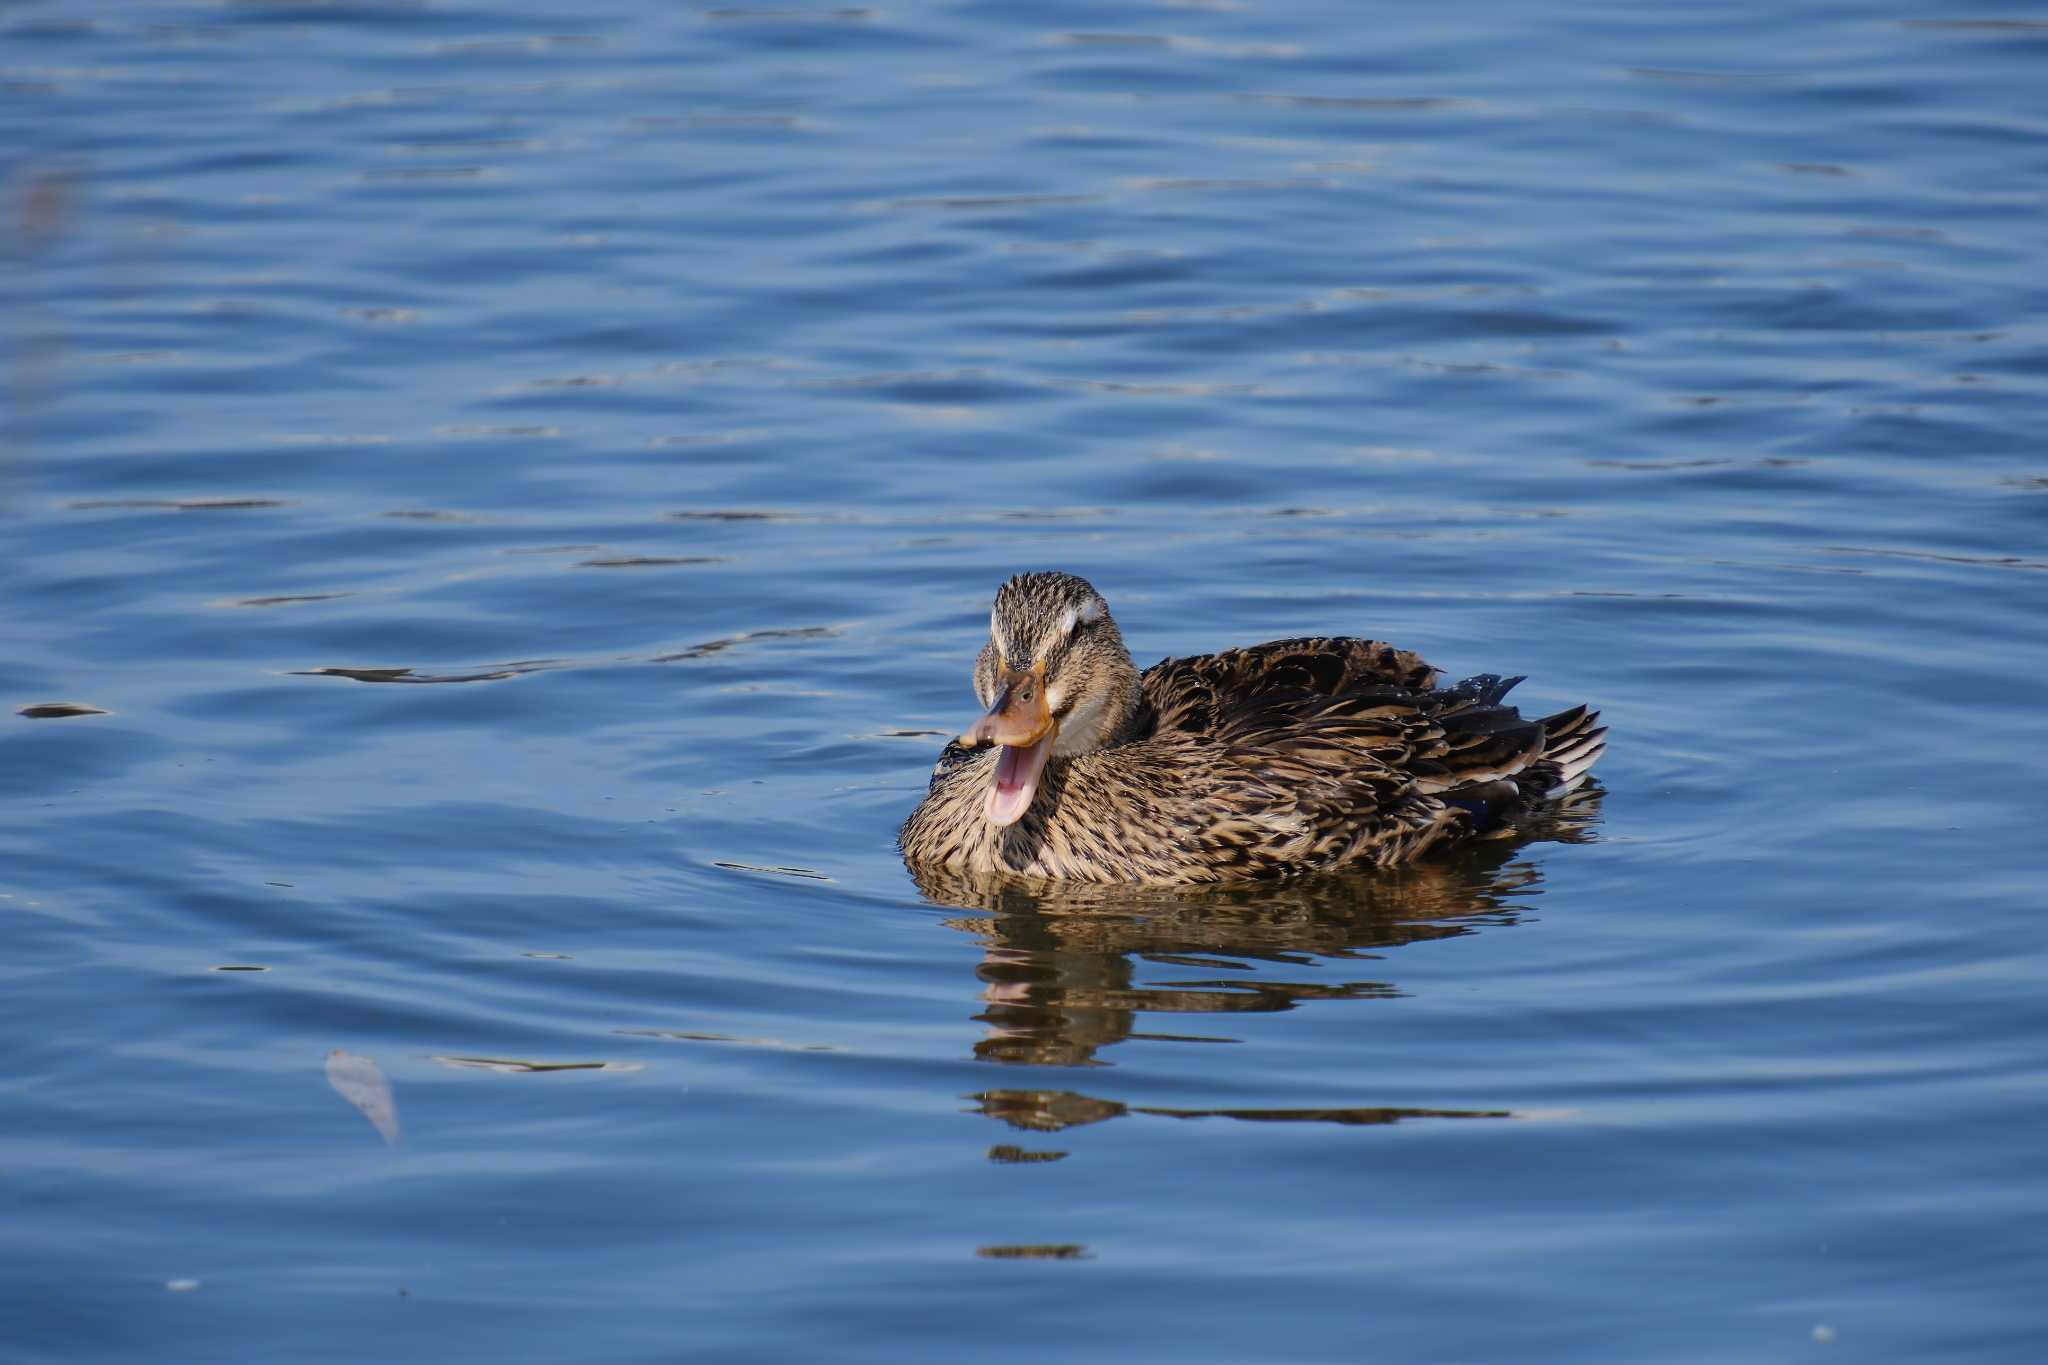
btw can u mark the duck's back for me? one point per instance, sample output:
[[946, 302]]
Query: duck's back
[[1204, 692]]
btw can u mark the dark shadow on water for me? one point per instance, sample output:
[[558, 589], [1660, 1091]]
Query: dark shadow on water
[[1060, 964]]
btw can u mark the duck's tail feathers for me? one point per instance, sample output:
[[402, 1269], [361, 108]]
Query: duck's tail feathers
[[1572, 742]]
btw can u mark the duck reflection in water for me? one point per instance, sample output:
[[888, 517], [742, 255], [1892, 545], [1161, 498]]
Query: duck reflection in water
[[1059, 961]]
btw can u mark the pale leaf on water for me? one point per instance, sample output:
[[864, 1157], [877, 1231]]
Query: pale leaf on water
[[357, 1080]]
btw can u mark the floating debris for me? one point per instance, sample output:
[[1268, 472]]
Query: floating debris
[[1366, 1115], [1041, 1251], [60, 710], [520, 1064], [357, 1080], [1016, 1156], [175, 504], [686, 1036], [407, 675], [285, 600], [804, 872]]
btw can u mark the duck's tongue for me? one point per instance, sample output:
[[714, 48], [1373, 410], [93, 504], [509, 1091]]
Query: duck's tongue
[[1016, 781]]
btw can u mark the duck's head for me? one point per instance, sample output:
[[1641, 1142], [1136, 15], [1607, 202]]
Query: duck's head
[[1056, 679]]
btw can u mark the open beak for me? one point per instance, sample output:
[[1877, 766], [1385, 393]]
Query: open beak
[[1021, 722]]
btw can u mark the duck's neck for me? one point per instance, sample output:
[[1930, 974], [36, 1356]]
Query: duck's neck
[[1109, 714]]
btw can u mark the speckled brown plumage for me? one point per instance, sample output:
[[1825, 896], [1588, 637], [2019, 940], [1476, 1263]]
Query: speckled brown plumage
[[1297, 755]]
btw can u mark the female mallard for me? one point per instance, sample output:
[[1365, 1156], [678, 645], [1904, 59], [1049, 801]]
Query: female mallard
[[1293, 756]]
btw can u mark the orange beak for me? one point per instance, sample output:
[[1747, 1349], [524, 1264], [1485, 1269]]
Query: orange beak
[[1022, 724], [1019, 718]]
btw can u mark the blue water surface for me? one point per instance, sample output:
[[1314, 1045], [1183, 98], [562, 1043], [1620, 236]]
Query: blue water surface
[[499, 506]]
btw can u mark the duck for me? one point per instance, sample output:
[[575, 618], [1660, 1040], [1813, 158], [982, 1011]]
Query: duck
[[1317, 754]]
